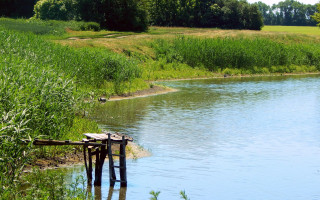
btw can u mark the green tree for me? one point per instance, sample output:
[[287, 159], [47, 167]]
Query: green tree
[[316, 15]]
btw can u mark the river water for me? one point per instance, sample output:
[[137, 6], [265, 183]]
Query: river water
[[224, 139]]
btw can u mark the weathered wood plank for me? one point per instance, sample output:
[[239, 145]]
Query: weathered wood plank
[[58, 142], [104, 136]]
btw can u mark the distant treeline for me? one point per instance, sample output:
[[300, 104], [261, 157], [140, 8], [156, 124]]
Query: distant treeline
[[138, 14], [288, 13], [205, 13]]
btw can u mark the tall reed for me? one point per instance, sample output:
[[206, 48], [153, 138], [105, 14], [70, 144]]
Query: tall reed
[[236, 53]]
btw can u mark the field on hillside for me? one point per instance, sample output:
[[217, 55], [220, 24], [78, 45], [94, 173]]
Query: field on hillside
[[308, 30], [164, 55], [127, 42]]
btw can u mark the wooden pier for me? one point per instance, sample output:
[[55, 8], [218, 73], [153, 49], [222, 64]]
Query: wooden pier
[[99, 146]]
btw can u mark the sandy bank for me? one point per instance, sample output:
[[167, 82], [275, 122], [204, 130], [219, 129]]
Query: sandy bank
[[155, 90]]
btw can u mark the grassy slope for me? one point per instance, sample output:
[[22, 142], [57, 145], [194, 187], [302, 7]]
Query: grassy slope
[[138, 45]]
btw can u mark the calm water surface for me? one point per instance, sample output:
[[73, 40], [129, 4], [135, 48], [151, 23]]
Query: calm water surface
[[226, 139]]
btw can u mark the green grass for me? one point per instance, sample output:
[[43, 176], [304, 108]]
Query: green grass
[[308, 30]]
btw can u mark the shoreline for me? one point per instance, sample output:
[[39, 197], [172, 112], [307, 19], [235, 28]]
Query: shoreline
[[159, 89], [155, 90]]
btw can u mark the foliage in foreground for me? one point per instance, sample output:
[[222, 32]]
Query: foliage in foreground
[[46, 184], [248, 55]]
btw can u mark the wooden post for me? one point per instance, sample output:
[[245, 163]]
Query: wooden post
[[112, 173], [123, 167], [103, 155], [90, 164], [89, 169], [97, 177], [85, 160]]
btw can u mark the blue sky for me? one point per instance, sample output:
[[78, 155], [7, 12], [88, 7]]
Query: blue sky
[[270, 2]]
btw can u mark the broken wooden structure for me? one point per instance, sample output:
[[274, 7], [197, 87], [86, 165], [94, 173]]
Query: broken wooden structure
[[99, 145]]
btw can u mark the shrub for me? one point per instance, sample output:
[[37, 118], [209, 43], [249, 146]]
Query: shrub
[[90, 26]]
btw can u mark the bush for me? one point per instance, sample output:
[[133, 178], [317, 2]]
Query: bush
[[90, 26]]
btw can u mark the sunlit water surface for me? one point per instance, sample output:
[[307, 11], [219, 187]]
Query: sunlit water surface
[[224, 139]]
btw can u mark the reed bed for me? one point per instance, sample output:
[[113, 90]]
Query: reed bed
[[249, 55], [48, 27], [87, 66]]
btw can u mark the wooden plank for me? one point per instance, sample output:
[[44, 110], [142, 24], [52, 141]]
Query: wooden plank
[[57, 142], [85, 140], [104, 136]]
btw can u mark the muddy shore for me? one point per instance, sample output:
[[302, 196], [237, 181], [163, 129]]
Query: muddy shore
[[133, 151]]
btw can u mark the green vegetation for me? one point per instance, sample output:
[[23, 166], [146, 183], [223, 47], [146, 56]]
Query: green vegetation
[[45, 28], [88, 67], [249, 56]]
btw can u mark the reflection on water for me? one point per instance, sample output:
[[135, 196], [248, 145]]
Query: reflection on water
[[249, 138]]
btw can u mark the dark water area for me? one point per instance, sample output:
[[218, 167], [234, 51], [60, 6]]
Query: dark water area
[[232, 139]]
